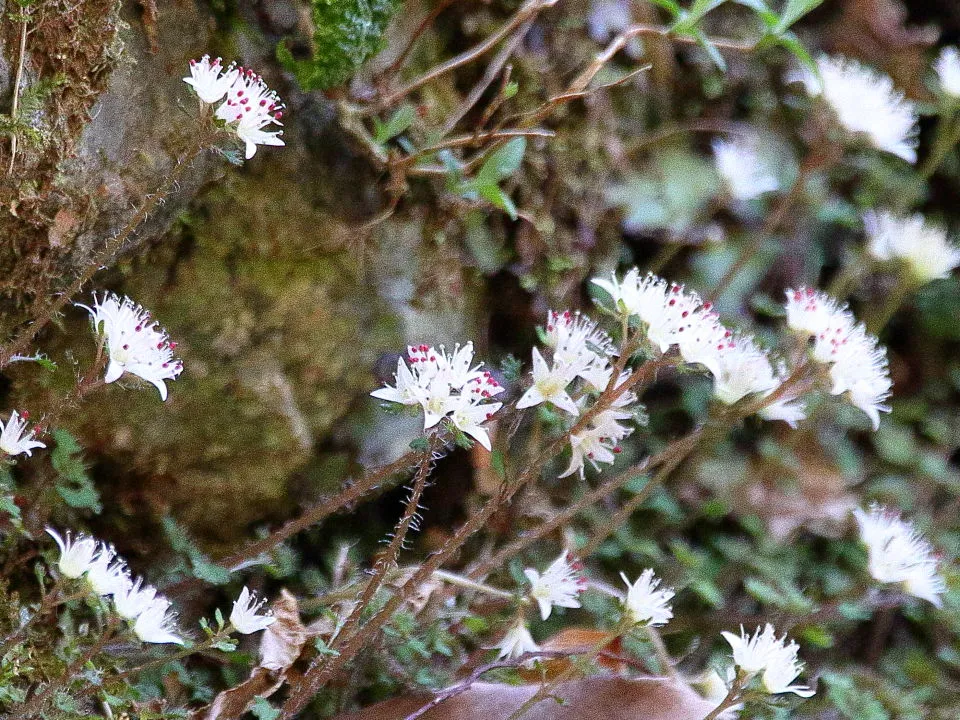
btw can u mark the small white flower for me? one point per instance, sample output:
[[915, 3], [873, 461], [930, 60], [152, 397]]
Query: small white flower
[[645, 604], [924, 248], [135, 344], [107, 574], [789, 410], [244, 616], [76, 554], [775, 658], [155, 625], [899, 554], [549, 385], [209, 80], [744, 174], [559, 586], [665, 309], [580, 347], [740, 368], [782, 669], [14, 440], [517, 642], [947, 66], [858, 365], [599, 442], [133, 599], [251, 106], [866, 101], [445, 385]]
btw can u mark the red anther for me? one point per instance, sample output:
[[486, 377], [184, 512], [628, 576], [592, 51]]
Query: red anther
[[239, 93], [278, 115], [618, 449], [164, 365], [489, 415], [684, 313], [590, 455], [138, 328], [550, 328], [25, 414], [173, 346], [708, 306], [672, 302], [193, 62]]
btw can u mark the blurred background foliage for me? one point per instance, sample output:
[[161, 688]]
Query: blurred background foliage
[[292, 283]]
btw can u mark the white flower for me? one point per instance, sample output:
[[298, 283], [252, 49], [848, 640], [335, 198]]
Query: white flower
[[782, 669], [947, 66], [580, 347], [135, 344], [645, 604], [752, 653], [744, 174], [468, 416], [155, 625], [740, 368], [549, 385], [251, 106], [924, 248], [76, 554], [665, 309], [866, 101], [107, 574], [445, 386], [244, 616], [559, 586], [133, 599], [517, 642], [858, 364], [209, 80], [599, 442], [899, 554], [789, 410], [13, 441], [861, 372]]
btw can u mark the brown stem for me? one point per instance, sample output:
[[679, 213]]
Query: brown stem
[[35, 705], [16, 93], [387, 558], [730, 700], [421, 29], [21, 341]]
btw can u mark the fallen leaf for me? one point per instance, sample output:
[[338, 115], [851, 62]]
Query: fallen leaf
[[597, 698], [281, 642]]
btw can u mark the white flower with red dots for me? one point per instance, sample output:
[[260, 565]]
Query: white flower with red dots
[[15, 439], [251, 106], [559, 586], [599, 442], [665, 309], [445, 385], [210, 80], [135, 344], [858, 364]]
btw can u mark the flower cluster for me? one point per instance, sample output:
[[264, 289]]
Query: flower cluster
[[858, 364], [108, 576], [250, 105], [645, 603], [866, 102], [445, 385], [923, 248], [580, 350], [744, 175], [674, 317], [15, 439], [559, 586], [899, 554], [775, 658], [134, 343], [599, 440]]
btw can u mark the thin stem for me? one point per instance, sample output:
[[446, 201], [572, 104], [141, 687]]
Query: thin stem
[[48, 602], [14, 107], [733, 696], [947, 137], [387, 558], [526, 12], [663, 656], [21, 341], [422, 28], [179, 655], [35, 705], [465, 582], [882, 314]]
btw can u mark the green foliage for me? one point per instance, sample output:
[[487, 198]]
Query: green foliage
[[399, 122], [74, 483], [198, 564], [345, 34], [501, 164]]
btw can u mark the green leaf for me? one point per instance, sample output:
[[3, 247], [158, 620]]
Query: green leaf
[[502, 163], [324, 649], [263, 710], [764, 12], [712, 50], [205, 570], [496, 462], [399, 122], [226, 645], [670, 6], [689, 19], [794, 10], [792, 43], [74, 485], [499, 198]]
